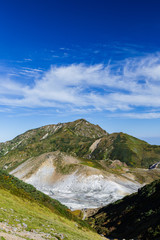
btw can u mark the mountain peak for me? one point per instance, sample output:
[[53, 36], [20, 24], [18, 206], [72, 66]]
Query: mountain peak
[[82, 127], [79, 138]]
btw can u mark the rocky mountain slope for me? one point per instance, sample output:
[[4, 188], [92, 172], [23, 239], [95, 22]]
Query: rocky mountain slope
[[26, 213], [79, 163], [79, 138], [134, 217], [82, 184], [73, 137]]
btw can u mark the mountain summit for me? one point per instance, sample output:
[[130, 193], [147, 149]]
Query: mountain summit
[[79, 163], [79, 138]]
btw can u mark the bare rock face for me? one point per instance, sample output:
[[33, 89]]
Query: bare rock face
[[94, 145], [64, 178]]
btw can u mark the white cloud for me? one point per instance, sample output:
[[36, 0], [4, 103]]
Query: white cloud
[[125, 86], [147, 115]]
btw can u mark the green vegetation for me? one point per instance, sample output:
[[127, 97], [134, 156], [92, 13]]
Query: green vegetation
[[27, 191], [23, 214], [128, 149], [22, 206], [63, 168], [75, 138], [92, 163], [135, 216]]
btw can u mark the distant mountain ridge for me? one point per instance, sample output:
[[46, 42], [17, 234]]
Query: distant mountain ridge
[[78, 138]]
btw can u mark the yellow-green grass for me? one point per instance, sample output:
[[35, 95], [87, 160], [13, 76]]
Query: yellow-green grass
[[17, 211]]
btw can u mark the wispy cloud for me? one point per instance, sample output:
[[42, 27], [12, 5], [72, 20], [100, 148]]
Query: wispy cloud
[[30, 72], [124, 86], [135, 115]]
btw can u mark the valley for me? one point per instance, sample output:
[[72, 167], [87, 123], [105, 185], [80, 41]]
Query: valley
[[134, 217], [79, 165]]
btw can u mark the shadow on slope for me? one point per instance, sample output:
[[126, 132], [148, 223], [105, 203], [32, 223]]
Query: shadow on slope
[[135, 216]]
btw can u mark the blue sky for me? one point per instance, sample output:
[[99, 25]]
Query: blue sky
[[94, 59]]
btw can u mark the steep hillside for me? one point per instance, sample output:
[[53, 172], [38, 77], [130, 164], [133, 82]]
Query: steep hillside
[[79, 138], [26, 213], [73, 137], [134, 217], [134, 152]]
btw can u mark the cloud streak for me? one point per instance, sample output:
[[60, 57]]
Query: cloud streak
[[124, 86]]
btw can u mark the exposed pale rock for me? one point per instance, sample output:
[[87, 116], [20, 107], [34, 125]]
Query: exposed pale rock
[[85, 187], [94, 145]]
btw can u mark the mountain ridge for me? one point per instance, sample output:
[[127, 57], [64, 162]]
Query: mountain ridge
[[79, 163], [77, 138]]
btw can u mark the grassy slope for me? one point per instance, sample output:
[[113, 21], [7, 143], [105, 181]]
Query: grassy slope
[[135, 216], [27, 191], [23, 204], [18, 211], [134, 152], [74, 138]]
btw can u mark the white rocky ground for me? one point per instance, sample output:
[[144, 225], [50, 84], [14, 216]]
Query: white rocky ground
[[86, 187]]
